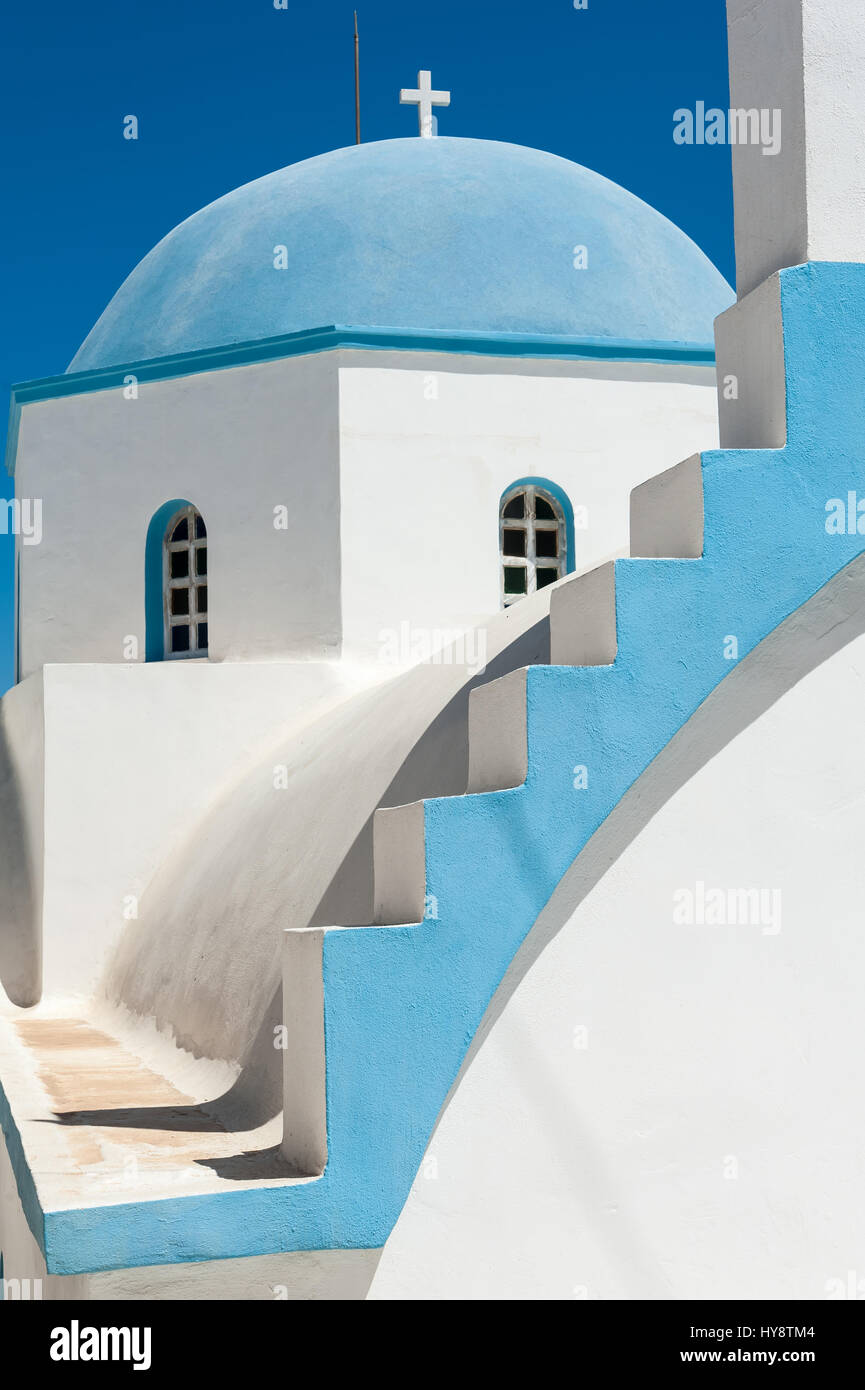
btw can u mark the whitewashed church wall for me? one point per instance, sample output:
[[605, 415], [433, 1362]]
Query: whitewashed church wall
[[430, 442], [390, 498], [237, 443]]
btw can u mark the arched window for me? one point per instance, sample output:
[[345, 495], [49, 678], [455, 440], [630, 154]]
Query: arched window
[[184, 584], [533, 541]]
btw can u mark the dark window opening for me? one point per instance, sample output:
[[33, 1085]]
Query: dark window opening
[[514, 542], [515, 579], [179, 564], [546, 543], [185, 585]]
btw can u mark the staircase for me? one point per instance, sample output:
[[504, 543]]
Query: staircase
[[379, 1019]]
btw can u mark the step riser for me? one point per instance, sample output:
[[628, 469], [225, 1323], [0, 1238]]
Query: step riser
[[498, 755], [583, 620], [399, 858], [304, 1141], [667, 514]]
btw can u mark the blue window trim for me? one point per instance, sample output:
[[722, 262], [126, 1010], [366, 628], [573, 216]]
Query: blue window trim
[[564, 502], [154, 617]]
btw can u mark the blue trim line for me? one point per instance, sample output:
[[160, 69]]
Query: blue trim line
[[326, 339]]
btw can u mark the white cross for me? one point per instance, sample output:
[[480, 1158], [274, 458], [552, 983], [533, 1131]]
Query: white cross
[[424, 98]]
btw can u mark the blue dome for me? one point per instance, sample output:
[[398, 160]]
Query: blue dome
[[436, 234]]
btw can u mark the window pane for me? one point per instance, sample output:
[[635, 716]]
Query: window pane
[[179, 564], [200, 528], [180, 638], [546, 542], [179, 602], [516, 508], [543, 510], [201, 598], [513, 542], [181, 531], [201, 560], [202, 637], [515, 579], [546, 576]]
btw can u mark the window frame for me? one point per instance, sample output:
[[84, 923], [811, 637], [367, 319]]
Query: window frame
[[191, 582], [531, 525]]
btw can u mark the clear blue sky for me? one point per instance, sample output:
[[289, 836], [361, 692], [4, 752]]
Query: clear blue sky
[[227, 90]]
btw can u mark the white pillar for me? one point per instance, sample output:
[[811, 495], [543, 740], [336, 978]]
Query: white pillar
[[806, 59]]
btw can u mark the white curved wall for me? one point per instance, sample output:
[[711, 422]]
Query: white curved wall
[[134, 757], [704, 1137]]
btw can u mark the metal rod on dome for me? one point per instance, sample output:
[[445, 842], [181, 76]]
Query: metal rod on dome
[[356, 82]]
